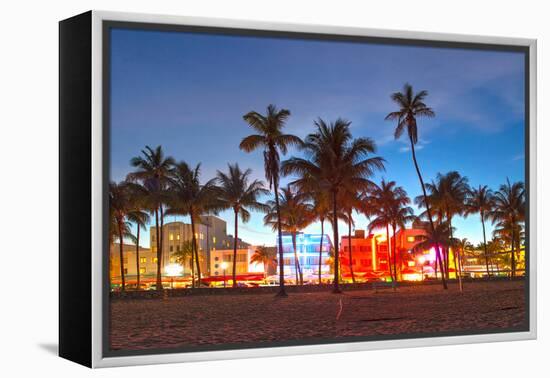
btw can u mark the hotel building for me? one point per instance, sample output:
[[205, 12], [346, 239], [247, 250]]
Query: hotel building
[[307, 250], [147, 263]]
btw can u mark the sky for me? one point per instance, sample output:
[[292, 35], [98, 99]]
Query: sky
[[189, 91]]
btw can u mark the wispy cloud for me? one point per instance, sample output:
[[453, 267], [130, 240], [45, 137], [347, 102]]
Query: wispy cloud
[[518, 157]]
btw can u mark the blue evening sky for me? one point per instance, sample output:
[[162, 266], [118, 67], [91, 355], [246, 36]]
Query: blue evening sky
[[188, 92]]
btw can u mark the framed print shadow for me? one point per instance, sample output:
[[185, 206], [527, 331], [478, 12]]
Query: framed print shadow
[[231, 189]]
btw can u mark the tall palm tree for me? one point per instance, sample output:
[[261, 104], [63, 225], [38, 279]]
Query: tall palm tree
[[189, 197], [152, 170], [509, 212], [452, 190], [388, 204], [480, 201], [438, 236], [296, 214], [270, 138], [412, 106], [266, 256], [139, 216], [378, 203], [238, 193], [119, 206], [339, 163]]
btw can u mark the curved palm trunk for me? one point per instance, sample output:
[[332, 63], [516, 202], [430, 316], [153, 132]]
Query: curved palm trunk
[[336, 288], [428, 210], [161, 237], [349, 249], [321, 246], [235, 249], [137, 257], [195, 250], [121, 247], [390, 256], [297, 267], [485, 244], [394, 252], [513, 267], [159, 256], [282, 291], [456, 255]]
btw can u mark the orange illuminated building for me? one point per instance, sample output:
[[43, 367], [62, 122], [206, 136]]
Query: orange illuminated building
[[370, 257]]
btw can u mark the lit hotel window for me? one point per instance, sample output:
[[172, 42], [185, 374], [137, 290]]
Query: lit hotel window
[[214, 239], [155, 260], [171, 236], [178, 236], [143, 260], [410, 239], [142, 270]]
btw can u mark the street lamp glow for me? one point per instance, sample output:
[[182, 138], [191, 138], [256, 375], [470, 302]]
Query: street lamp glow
[[173, 270], [224, 265], [422, 260]]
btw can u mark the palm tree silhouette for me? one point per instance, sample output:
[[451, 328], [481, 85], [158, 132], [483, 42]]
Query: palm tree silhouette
[[339, 163], [237, 193], [139, 216], [270, 138], [266, 256], [189, 197], [296, 214], [412, 106], [153, 169], [388, 204], [185, 255], [508, 213], [321, 210], [120, 206], [480, 200]]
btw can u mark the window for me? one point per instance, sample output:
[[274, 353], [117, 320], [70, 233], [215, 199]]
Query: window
[[216, 266], [171, 236], [125, 260], [171, 248], [178, 248], [410, 239], [172, 260], [142, 270], [155, 260], [125, 271], [178, 237], [143, 260], [216, 258], [214, 239]]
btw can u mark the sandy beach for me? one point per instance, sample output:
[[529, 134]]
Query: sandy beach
[[199, 321]]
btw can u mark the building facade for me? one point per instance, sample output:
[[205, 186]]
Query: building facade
[[147, 263], [307, 251]]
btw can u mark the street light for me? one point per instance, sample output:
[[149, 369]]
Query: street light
[[224, 267]]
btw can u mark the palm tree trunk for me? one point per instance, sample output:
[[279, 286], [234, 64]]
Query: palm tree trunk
[[159, 258], [428, 210], [394, 252], [513, 267], [321, 246], [282, 291], [137, 257], [336, 288], [235, 248], [121, 248], [456, 255], [349, 249], [485, 244], [161, 235], [195, 249], [389, 255], [297, 269]]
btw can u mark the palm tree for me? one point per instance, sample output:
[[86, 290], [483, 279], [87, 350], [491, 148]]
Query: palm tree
[[438, 236], [266, 256], [189, 197], [509, 212], [351, 202], [296, 214], [480, 200], [269, 137], [339, 163], [119, 207], [450, 192], [321, 210], [138, 216], [237, 193], [412, 106], [378, 203], [465, 247], [152, 169], [184, 256]]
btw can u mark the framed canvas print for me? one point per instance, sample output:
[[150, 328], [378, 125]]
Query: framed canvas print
[[231, 189]]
